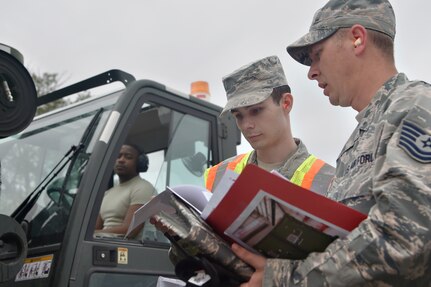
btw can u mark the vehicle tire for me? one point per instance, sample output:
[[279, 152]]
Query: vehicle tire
[[17, 96]]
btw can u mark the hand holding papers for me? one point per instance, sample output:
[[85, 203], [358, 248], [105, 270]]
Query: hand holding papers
[[304, 221], [261, 211], [176, 214]]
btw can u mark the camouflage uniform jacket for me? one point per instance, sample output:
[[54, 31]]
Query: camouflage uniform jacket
[[384, 171]]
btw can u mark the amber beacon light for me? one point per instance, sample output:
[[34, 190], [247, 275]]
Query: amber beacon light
[[200, 89]]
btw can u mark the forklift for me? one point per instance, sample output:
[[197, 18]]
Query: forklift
[[56, 167]]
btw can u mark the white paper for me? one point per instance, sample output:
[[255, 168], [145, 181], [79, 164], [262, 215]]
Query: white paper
[[195, 196], [169, 282], [156, 204], [220, 191]]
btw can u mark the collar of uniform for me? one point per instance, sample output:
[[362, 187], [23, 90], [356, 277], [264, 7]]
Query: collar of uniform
[[300, 148], [382, 95], [295, 159], [253, 158]]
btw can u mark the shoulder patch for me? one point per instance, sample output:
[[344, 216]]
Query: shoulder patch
[[416, 142]]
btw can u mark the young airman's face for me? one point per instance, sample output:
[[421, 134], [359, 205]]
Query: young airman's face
[[263, 125]]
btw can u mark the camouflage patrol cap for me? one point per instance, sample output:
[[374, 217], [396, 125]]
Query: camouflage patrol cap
[[253, 83], [376, 15]]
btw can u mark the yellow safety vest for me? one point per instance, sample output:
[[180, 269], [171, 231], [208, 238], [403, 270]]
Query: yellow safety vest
[[303, 176]]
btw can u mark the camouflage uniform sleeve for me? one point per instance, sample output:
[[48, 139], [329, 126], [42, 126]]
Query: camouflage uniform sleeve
[[392, 246]]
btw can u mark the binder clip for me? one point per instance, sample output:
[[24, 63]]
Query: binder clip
[[199, 271]]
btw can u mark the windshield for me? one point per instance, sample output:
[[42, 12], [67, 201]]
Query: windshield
[[28, 158], [46, 162]]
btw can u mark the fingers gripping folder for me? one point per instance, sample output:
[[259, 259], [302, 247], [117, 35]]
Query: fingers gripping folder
[[202, 257]]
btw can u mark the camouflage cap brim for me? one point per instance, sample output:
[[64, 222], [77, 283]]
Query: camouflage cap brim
[[376, 15], [246, 100], [253, 83], [299, 50]]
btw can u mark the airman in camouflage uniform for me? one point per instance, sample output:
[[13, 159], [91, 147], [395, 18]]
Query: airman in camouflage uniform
[[383, 170], [259, 97]]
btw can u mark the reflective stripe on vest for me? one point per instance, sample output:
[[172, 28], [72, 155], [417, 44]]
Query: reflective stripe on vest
[[214, 174], [306, 172], [303, 176]]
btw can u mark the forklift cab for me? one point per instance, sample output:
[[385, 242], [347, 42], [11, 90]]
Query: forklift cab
[[55, 172]]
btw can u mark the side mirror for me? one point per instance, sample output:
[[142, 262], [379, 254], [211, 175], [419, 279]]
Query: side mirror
[[195, 163]]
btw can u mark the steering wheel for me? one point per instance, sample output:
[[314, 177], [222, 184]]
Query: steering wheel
[[61, 198]]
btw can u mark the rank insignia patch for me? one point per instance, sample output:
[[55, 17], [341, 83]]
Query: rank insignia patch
[[416, 142]]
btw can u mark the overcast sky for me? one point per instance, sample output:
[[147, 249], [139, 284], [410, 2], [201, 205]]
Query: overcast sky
[[178, 42]]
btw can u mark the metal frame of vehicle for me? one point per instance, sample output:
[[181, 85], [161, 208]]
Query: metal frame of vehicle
[[75, 260]]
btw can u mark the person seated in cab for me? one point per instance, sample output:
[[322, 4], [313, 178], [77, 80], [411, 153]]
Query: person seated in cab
[[121, 201]]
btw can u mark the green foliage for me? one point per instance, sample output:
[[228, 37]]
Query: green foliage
[[49, 82]]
